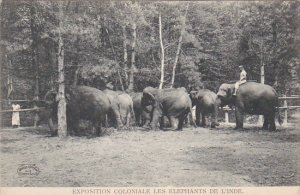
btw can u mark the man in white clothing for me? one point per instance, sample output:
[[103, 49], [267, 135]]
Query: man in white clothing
[[242, 80]]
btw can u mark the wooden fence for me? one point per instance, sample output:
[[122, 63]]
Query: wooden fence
[[226, 109]]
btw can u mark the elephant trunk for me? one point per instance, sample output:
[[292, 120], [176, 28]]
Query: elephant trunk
[[216, 113]]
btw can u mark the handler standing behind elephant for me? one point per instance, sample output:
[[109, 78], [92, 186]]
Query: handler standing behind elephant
[[242, 80]]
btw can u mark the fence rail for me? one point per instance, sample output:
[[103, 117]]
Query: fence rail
[[226, 109], [22, 110]]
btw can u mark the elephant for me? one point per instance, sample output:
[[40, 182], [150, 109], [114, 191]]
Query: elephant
[[121, 110], [172, 103], [126, 109], [114, 111], [204, 100], [251, 98], [82, 102], [142, 117]]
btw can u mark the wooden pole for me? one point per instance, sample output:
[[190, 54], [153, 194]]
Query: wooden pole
[[226, 117], [285, 111]]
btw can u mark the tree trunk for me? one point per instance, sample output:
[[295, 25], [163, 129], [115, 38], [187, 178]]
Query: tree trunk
[[178, 47], [76, 59], [162, 57], [34, 55], [262, 73], [10, 89], [132, 68], [215, 114], [115, 57], [34, 50], [125, 59], [262, 64], [61, 109]]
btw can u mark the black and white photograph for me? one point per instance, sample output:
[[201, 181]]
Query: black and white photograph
[[150, 94]]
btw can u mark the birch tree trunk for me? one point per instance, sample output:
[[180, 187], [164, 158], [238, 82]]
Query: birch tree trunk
[[162, 57], [125, 56], [61, 109], [179, 47], [132, 68]]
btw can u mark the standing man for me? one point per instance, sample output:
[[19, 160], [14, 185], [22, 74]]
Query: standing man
[[242, 80], [15, 121]]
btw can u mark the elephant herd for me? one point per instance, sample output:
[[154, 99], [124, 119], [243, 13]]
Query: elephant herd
[[153, 106]]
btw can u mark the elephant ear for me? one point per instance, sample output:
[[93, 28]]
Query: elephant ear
[[149, 98]]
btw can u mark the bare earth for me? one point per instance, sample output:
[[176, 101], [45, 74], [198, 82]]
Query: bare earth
[[192, 157]]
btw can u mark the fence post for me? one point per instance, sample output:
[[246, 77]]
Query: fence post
[[226, 117], [285, 111]]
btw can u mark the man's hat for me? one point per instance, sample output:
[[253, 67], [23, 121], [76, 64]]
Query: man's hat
[[241, 67]]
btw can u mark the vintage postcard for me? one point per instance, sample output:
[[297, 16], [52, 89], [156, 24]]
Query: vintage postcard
[[149, 97]]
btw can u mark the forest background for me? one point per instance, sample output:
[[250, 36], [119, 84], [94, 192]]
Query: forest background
[[200, 44]]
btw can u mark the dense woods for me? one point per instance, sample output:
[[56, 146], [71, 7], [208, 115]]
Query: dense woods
[[45, 44]]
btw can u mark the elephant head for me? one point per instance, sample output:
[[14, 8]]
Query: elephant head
[[224, 97], [151, 98], [50, 102], [225, 93], [193, 96]]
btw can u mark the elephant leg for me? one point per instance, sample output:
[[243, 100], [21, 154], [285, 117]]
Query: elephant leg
[[272, 125], [198, 116], [266, 122], [117, 116], [73, 126], [239, 117], [104, 121], [162, 123], [54, 132], [146, 119], [187, 120], [203, 119], [138, 118], [180, 122], [98, 129], [172, 122], [128, 118]]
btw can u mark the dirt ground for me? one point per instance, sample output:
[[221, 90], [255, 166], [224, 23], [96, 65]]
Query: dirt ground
[[192, 157]]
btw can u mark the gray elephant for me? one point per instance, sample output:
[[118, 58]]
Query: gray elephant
[[251, 98], [126, 109], [82, 102], [204, 101], [142, 116], [114, 116], [173, 103]]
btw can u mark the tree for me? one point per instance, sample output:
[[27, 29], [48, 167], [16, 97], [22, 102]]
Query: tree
[[61, 109], [179, 46], [162, 57]]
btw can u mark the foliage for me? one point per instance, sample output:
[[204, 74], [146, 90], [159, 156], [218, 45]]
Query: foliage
[[218, 37]]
